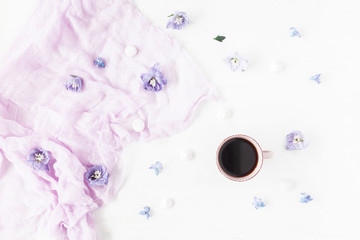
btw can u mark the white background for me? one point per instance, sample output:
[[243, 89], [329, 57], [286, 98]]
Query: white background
[[266, 106]]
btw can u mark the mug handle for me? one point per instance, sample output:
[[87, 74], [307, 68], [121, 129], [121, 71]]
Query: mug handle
[[267, 154]]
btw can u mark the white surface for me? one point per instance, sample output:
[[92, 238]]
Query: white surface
[[266, 106], [225, 113], [287, 185]]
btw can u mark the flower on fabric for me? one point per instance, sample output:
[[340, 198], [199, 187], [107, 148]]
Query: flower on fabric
[[305, 198], [177, 21], [97, 175], [236, 62], [295, 141], [74, 83], [157, 167], [219, 38], [99, 62], [316, 78], [294, 32], [38, 159], [145, 212], [258, 203], [154, 80]]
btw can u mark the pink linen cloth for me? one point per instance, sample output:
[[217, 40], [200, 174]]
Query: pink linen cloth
[[82, 129]]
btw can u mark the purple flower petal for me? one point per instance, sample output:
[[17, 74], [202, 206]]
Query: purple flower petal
[[97, 176], [306, 198], [154, 80], [236, 62], [145, 212], [177, 21], [99, 62], [295, 141], [294, 32], [74, 84], [258, 203], [156, 167], [38, 159], [316, 78]]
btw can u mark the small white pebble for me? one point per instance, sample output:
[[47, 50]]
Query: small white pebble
[[225, 113], [138, 125], [286, 185], [187, 155], [275, 67], [167, 203], [130, 51]]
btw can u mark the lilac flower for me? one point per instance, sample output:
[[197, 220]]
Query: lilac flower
[[258, 203], [38, 159], [237, 63], [294, 32], [145, 212], [306, 198], [156, 167], [99, 62], [74, 83], [154, 80], [97, 175], [178, 20], [316, 78], [295, 141]]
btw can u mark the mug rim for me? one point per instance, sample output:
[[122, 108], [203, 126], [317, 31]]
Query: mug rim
[[258, 165]]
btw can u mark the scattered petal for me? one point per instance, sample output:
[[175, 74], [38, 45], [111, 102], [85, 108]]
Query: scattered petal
[[258, 203], [157, 167], [294, 32], [236, 62], [38, 159], [145, 212], [74, 83], [97, 176], [316, 78], [177, 21], [219, 38], [305, 198], [99, 62], [154, 80], [295, 141]]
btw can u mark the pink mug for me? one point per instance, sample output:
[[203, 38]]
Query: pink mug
[[240, 157]]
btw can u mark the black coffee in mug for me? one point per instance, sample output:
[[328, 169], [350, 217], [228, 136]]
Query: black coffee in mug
[[238, 157]]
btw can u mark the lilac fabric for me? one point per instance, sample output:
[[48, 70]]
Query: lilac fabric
[[87, 128]]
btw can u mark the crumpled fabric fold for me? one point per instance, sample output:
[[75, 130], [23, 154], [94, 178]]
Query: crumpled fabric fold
[[85, 128]]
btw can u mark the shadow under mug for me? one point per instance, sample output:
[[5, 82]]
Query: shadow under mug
[[240, 157]]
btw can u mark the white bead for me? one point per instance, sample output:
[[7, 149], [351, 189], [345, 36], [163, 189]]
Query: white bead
[[286, 185], [130, 51], [225, 113], [187, 155], [167, 203], [275, 67], [138, 125]]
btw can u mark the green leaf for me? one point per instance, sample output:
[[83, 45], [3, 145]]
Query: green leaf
[[171, 15], [219, 38]]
